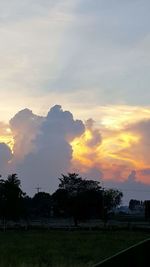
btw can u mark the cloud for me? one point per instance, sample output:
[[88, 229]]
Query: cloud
[[32, 41], [52, 153], [62, 123], [3, 128], [115, 147], [131, 187], [6, 135], [145, 171], [5, 157], [89, 47], [140, 150], [5, 153], [95, 133], [57, 143], [24, 126], [86, 148]]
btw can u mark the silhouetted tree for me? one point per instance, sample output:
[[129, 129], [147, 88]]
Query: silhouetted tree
[[73, 184], [111, 199], [133, 204], [11, 197], [41, 205], [61, 203], [78, 197]]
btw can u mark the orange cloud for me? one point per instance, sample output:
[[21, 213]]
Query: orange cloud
[[107, 152], [124, 145]]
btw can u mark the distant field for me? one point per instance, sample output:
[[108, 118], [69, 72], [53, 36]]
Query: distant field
[[62, 248]]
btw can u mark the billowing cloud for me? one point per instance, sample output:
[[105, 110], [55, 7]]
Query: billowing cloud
[[86, 148], [24, 126], [118, 151], [52, 153]]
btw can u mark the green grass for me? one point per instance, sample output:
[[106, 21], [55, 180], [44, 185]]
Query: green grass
[[62, 248]]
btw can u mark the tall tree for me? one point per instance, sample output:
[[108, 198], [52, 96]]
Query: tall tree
[[78, 197], [112, 198], [74, 184], [11, 197]]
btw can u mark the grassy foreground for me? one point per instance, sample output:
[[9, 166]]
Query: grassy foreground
[[62, 248]]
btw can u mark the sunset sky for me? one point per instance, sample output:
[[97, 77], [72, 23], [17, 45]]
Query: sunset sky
[[74, 91]]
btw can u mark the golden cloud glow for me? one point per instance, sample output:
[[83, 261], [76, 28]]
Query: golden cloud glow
[[7, 138], [119, 146], [116, 117], [111, 148], [81, 150], [121, 150]]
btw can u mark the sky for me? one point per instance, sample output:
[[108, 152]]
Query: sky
[[74, 91]]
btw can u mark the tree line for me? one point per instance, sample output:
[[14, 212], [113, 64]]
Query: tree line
[[75, 197]]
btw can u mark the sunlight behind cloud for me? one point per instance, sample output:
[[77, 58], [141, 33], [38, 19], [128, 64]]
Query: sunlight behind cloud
[[118, 116], [81, 150], [112, 150], [8, 140]]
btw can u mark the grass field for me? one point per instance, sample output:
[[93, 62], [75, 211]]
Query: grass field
[[62, 248]]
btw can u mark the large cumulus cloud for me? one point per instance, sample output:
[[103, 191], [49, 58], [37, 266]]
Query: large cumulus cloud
[[51, 152]]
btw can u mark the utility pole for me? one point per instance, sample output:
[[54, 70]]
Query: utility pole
[[38, 189]]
